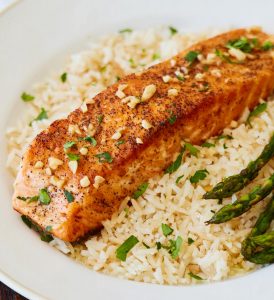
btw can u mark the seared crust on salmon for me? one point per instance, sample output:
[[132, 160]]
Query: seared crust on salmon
[[131, 131]]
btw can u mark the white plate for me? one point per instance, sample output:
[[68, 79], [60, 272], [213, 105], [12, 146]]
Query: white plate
[[34, 38]]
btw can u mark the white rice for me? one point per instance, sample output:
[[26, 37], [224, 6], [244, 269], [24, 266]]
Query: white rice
[[215, 253]]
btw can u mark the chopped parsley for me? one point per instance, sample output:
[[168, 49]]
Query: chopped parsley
[[120, 142], [158, 245], [256, 111], [104, 157], [146, 245], [63, 77], [89, 139], [117, 78], [44, 236], [199, 175], [193, 150], [73, 156], [172, 30], [68, 145], [224, 136], [28, 199], [242, 44], [122, 251], [220, 54], [195, 276], [156, 56], [44, 197], [267, 45], [175, 247], [166, 229], [225, 146], [190, 241], [125, 30], [176, 164], [172, 118], [191, 56], [42, 115], [178, 179], [132, 63], [140, 190], [69, 196], [179, 76], [27, 97], [207, 145], [100, 119]]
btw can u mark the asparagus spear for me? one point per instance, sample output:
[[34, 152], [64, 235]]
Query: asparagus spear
[[258, 247], [242, 205], [261, 226], [235, 183]]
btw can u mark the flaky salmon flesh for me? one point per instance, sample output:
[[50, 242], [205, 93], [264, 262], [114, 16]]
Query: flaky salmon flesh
[[75, 173]]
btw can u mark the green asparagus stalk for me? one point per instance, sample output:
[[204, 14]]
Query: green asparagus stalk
[[245, 202], [235, 183], [258, 247]]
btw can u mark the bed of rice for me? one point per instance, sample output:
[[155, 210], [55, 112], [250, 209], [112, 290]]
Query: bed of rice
[[215, 252]]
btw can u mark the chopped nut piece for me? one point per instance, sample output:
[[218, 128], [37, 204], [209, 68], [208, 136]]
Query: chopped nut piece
[[172, 92], [48, 171], [139, 141], [145, 124], [216, 72], [149, 91], [166, 78], [91, 130], [84, 150], [116, 135], [73, 165], [84, 182], [237, 53], [184, 70], [84, 107], [54, 163], [199, 76], [39, 164], [120, 94], [57, 181], [74, 129], [97, 181], [131, 101], [173, 62]]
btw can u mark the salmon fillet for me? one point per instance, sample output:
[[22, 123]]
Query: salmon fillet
[[132, 131]]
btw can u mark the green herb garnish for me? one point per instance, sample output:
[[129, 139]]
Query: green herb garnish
[[207, 145], [69, 196], [267, 45], [195, 276], [172, 119], [256, 111], [122, 251], [120, 142], [176, 164], [63, 77], [132, 63], [42, 115], [89, 139], [68, 145], [73, 156], [175, 247], [224, 136], [44, 197], [140, 190], [193, 150], [242, 43], [199, 175], [125, 30], [27, 97], [172, 30], [158, 245], [166, 229], [28, 199], [156, 56], [146, 245], [190, 241], [104, 157], [220, 54], [48, 228], [204, 88], [178, 179], [100, 119], [179, 77], [26, 220], [191, 56]]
